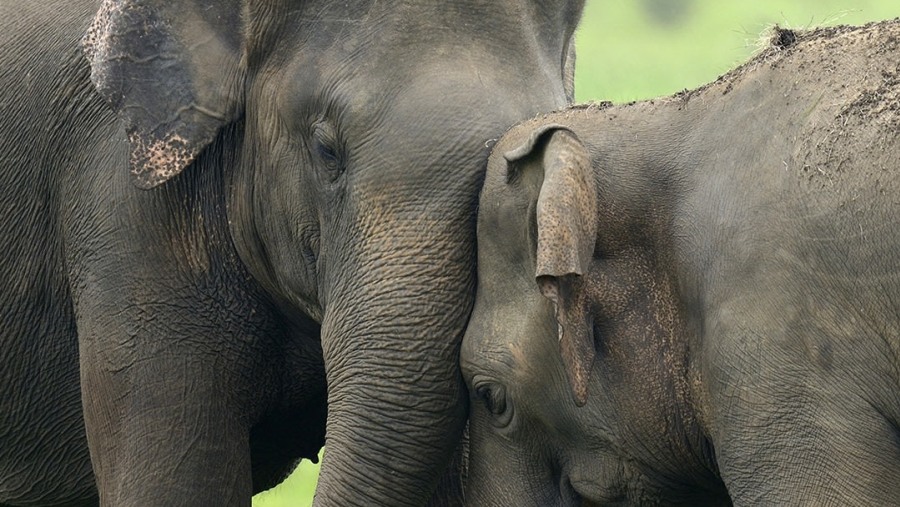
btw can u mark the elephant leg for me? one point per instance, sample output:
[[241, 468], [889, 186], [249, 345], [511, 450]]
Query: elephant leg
[[162, 431], [164, 398]]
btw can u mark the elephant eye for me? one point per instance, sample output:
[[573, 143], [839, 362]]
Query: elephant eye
[[325, 148], [494, 399]]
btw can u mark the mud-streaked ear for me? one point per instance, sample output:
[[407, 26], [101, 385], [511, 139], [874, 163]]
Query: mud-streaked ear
[[172, 71], [567, 233]]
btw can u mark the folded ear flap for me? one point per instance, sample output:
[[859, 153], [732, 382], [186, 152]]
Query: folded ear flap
[[567, 233], [535, 141], [173, 73], [566, 208], [575, 327]]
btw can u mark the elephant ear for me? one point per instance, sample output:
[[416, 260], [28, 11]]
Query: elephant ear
[[567, 233], [172, 72], [569, 72]]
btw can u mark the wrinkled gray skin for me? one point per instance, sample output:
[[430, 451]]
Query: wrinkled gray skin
[[311, 231], [714, 277]]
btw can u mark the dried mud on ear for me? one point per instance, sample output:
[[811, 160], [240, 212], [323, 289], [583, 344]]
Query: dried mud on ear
[[96, 41], [149, 68], [129, 48], [153, 161]]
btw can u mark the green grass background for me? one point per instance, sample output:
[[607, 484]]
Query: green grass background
[[638, 49]]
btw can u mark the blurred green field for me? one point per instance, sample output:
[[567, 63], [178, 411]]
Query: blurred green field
[[638, 49]]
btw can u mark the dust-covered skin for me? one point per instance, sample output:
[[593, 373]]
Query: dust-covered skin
[[222, 217], [738, 312]]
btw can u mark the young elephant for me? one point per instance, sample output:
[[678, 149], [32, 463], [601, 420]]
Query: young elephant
[[696, 300]]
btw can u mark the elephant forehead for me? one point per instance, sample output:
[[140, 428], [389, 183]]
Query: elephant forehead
[[511, 325]]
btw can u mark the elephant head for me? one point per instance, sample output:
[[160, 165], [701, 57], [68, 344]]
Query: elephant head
[[573, 312], [358, 132]]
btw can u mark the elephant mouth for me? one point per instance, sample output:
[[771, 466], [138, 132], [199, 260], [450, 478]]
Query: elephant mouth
[[568, 495], [589, 493]]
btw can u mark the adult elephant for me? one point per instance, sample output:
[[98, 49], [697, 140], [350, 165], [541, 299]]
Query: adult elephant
[[298, 219]]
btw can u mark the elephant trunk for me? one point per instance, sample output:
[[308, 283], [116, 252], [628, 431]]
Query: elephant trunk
[[396, 400]]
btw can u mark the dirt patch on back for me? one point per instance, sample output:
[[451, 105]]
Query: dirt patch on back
[[849, 76], [860, 75], [782, 43], [783, 38], [846, 139]]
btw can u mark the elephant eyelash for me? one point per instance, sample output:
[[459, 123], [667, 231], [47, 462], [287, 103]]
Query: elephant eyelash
[[326, 148], [494, 403], [494, 399], [327, 154]]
